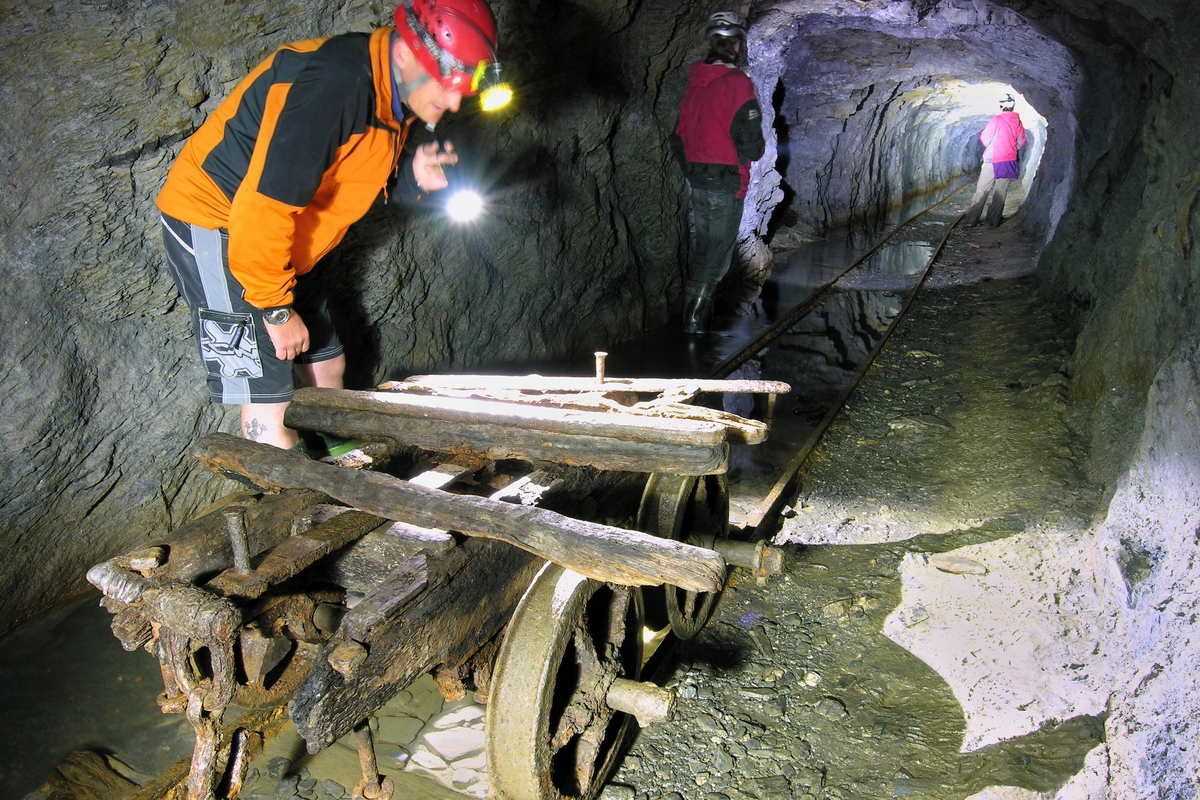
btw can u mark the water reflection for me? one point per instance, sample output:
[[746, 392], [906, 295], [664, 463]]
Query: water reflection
[[69, 686], [900, 258]]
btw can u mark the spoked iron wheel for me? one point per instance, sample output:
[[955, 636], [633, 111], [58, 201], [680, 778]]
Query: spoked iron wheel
[[693, 510], [550, 732]]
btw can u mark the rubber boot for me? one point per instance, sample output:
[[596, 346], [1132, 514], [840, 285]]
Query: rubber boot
[[697, 307]]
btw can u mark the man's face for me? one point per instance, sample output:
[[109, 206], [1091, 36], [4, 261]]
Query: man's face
[[430, 100]]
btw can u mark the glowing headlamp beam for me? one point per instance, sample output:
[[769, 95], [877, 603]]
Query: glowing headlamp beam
[[494, 97], [494, 91]]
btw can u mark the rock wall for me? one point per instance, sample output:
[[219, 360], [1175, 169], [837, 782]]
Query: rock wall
[[103, 392], [1125, 251], [1144, 560]]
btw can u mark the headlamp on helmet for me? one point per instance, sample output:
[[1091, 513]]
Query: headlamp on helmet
[[454, 41], [494, 91]]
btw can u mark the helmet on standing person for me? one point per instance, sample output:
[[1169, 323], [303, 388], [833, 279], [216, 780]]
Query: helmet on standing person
[[1007, 103], [726, 23], [454, 41]]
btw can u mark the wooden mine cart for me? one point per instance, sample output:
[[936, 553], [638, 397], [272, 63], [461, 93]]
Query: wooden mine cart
[[330, 589]]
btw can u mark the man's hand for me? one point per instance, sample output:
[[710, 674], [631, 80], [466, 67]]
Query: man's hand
[[428, 163], [290, 338]]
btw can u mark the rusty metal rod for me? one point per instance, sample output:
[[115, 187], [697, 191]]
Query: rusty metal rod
[[646, 701], [366, 758], [235, 524]]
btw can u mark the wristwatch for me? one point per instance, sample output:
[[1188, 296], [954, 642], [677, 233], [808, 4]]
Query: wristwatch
[[277, 316]]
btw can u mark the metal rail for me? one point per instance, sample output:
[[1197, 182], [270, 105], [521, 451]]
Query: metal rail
[[765, 514], [813, 301]]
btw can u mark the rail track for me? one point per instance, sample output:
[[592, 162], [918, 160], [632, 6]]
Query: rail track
[[514, 536], [761, 513]]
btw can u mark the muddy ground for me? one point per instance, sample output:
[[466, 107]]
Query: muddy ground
[[926, 640], [915, 522]]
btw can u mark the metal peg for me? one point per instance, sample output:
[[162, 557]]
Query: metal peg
[[645, 701], [235, 525]]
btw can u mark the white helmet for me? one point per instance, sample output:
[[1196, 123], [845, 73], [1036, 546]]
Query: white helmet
[[726, 23], [1007, 103]]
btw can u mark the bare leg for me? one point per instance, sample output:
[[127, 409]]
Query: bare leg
[[325, 374], [263, 422]]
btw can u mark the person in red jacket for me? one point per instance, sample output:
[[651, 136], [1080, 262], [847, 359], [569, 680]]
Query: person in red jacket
[[1002, 139], [718, 134], [272, 180]]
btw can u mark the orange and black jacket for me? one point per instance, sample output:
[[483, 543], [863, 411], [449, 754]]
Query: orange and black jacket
[[293, 158]]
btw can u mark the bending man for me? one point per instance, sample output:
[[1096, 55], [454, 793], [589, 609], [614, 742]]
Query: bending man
[[270, 183]]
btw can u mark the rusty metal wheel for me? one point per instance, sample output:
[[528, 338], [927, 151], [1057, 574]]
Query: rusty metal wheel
[[550, 732], [693, 510]]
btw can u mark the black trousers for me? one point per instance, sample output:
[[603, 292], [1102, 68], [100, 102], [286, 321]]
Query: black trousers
[[715, 219]]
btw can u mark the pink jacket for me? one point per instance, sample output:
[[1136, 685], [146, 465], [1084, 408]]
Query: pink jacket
[[1002, 136]]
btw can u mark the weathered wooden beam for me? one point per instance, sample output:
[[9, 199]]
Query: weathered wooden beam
[[201, 546], [431, 612], [540, 383], [292, 555], [738, 429], [598, 551], [360, 565], [497, 430]]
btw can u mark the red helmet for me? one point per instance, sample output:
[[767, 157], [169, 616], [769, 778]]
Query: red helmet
[[453, 40]]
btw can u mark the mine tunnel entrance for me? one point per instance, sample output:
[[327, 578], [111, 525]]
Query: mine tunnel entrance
[[865, 114], [927, 145]]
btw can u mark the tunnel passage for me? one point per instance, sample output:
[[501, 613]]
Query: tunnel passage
[[866, 112]]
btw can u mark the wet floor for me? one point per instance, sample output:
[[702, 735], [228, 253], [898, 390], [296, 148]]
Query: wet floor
[[71, 687], [68, 686]]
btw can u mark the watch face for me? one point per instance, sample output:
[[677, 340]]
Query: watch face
[[277, 316]]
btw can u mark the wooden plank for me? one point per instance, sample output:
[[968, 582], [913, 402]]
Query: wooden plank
[[541, 383], [410, 625], [738, 429], [360, 565], [597, 551], [294, 554], [201, 546], [496, 430], [403, 583], [422, 618]]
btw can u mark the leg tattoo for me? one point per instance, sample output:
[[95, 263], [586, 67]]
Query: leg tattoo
[[254, 429]]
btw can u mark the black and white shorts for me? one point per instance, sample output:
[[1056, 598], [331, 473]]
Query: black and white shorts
[[234, 343]]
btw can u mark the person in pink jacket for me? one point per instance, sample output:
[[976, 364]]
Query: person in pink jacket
[[1002, 138]]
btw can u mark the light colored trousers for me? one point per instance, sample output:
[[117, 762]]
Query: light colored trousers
[[997, 188]]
